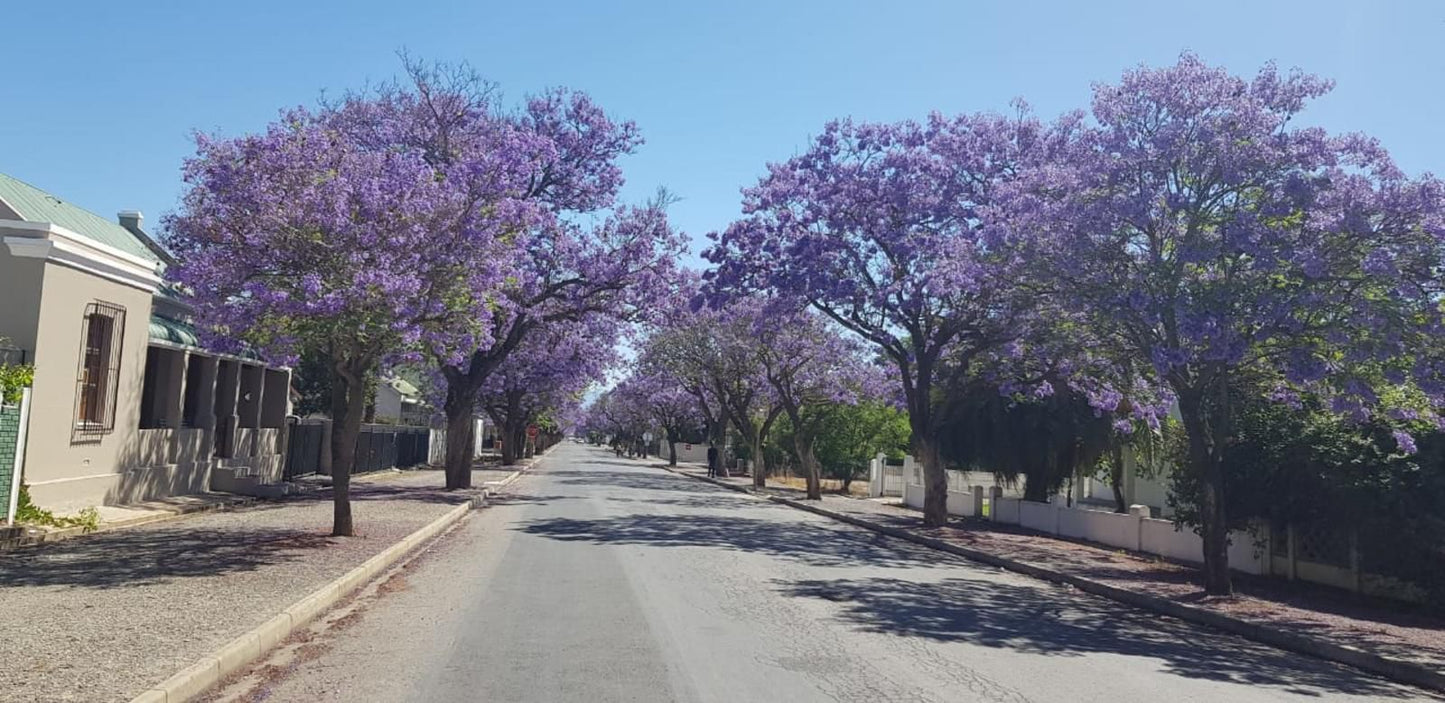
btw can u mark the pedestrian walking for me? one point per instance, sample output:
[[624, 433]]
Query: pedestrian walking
[[712, 459]]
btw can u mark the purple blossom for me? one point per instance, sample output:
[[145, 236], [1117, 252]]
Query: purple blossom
[[1404, 441]]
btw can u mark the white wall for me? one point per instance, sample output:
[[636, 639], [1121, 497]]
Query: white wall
[[1005, 510], [688, 453], [913, 495], [388, 402], [1116, 529], [960, 504], [437, 447], [1132, 531], [1038, 516]]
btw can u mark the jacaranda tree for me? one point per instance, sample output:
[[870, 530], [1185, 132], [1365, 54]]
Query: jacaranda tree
[[679, 344], [554, 159], [718, 348], [302, 237], [662, 397], [811, 367], [547, 372], [1206, 236], [887, 229]]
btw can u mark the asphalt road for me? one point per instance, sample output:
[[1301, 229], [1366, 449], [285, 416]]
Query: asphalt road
[[599, 579]]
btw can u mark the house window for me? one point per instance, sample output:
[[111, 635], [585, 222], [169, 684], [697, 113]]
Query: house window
[[98, 378]]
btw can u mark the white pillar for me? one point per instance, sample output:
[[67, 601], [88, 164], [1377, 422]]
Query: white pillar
[[875, 476], [17, 470], [1139, 512]]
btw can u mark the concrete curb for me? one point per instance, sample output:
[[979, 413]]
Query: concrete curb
[[205, 672], [53, 536], [1393, 669], [511, 477], [530, 464]]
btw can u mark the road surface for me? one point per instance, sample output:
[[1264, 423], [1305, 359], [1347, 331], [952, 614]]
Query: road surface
[[602, 579]]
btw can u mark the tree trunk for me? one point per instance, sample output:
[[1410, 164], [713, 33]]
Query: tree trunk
[[767, 427], [935, 482], [460, 407], [348, 403], [511, 449], [919, 395], [718, 436], [755, 463], [1202, 424], [671, 449], [811, 471], [1116, 479]]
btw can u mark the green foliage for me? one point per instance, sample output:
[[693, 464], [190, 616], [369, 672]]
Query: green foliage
[[849, 436], [28, 513], [1043, 441], [1312, 469], [14, 379], [312, 380]]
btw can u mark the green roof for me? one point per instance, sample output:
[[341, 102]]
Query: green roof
[[403, 387], [164, 329], [173, 331], [36, 205]]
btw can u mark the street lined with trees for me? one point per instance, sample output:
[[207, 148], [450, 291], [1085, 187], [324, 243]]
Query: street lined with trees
[[703, 352], [1038, 298]]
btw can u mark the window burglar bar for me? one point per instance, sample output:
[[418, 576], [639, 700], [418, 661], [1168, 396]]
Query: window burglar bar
[[102, 332]]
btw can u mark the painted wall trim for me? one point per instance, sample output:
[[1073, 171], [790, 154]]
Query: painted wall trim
[[66, 253], [52, 230], [200, 351], [72, 479]]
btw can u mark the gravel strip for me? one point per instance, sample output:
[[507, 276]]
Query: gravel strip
[[1383, 628], [102, 618], [437, 476]]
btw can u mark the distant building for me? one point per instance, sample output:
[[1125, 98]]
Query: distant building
[[399, 402]]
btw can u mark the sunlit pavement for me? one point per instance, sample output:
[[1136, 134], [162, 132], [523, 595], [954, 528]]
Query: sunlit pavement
[[600, 579]]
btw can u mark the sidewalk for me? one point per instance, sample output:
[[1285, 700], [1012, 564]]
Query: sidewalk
[[1307, 611], [104, 617]]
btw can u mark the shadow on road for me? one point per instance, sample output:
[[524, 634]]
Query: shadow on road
[[719, 501], [805, 542], [638, 479], [141, 557], [498, 499], [1053, 621]]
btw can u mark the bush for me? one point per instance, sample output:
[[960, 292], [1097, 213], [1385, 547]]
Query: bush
[[849, 436], [28, 513], [1324, 474], [14, 379]]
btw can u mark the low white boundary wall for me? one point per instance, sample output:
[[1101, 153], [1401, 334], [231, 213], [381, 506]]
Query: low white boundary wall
[[1138, 532], [1132, 531]]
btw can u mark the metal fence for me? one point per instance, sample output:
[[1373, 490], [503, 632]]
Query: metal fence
[[305, 442], [13, 420], [377, 447], [384, 446]]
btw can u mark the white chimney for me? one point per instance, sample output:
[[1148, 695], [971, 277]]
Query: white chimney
[[130, 219]]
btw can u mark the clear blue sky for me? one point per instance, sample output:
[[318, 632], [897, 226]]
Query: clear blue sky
[[99, 98]]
